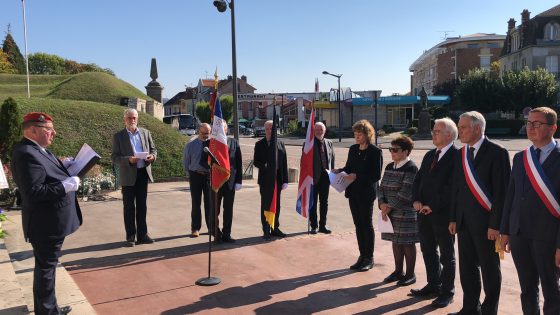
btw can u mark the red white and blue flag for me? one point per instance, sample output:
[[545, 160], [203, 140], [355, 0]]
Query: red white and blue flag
[[540, 182], [305, 200], [218, 147], [475, 184]]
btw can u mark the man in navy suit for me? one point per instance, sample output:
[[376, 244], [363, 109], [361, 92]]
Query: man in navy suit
[[479, 190], [431, 190], [50, 209], [529, 228]]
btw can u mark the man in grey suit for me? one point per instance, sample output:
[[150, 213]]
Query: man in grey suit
[[129, 146], [323, 160]]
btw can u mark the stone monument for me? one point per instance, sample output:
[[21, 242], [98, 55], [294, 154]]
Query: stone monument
[[154, 89], [424, 119]]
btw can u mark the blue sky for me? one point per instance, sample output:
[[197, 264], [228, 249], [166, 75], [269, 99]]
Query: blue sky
[[282, 45]]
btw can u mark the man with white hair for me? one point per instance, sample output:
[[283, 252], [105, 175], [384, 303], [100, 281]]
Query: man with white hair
[[134, 170], [481, 176], [431, 189]]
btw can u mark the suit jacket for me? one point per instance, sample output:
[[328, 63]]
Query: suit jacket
[[260, 159], [235, 163], [492, 167], [122, 150], [48, 211], [433, 187], [317, 165], [524, 213], [367, 168]]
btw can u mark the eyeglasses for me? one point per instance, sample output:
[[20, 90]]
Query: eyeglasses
[[395, 150], [535, 124], [436, 132], [49, 129]]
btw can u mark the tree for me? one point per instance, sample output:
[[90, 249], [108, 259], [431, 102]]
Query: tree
[[42, 63], [529, 88], [14, 55], [5, 65], [203, 111], [227, 107], [479, 91], [10, 128]]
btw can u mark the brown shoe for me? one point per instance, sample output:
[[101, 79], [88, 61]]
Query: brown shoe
[[195, 233]]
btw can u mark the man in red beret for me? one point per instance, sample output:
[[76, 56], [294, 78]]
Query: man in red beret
[[50, 209]]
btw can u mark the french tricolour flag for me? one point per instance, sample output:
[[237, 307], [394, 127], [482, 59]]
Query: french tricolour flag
[[218, 147], [305, 186]]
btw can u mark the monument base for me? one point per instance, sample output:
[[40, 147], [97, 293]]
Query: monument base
[[424, 126]]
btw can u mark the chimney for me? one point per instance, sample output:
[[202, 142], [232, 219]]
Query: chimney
[[229, 77], [244, 78], [525, 15], [511, 24]]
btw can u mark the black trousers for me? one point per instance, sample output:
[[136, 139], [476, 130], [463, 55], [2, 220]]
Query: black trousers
[[46, 253], [320, 194], [135, 209], [362, 214], [227, 195], [199, 187], [440, 266], [477, 256], [534, 261], [265, 225]]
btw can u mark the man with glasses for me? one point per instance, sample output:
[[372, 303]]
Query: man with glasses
[[134, 152], [531, 220], [195, 164], [431, 190], [50, 209]]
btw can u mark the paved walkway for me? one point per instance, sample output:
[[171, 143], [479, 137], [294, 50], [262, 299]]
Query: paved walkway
[[300, 274]]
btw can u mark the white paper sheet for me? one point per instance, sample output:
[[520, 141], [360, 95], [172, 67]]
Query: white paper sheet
[[141, 155], [3, 179], [338, 182], [82, 159], [384, 226]]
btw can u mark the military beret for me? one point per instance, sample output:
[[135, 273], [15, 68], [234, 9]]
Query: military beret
[[37, 117]]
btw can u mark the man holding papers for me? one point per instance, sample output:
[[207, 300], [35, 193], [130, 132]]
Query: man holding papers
[[133, 153], [50, 209], [323, 161], [531, 219], [431, 190]]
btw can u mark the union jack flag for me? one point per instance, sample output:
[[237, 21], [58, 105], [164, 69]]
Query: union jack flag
[[305, 186]]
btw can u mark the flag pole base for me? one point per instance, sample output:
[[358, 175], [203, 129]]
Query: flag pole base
[[208, 281]]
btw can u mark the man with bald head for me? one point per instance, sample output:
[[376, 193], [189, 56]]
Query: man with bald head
[[323, 160], [195, 164]]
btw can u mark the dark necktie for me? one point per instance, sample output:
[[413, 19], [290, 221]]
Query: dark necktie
[[538, 153], [435, 160], [323, 155], [471, 153]]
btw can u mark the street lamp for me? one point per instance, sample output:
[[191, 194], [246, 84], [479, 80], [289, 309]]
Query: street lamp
[[339, 107], [221, 6]]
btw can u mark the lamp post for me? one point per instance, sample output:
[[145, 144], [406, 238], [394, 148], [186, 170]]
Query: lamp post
[[222, 5], [339, 106]]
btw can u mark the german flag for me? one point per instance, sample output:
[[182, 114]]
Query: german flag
[[270, 184]]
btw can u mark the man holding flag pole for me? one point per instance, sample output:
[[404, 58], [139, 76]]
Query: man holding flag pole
[[305, 195], [271, 161]]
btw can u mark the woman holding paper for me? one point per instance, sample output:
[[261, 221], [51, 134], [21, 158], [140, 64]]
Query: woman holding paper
[[363, 169], [395, 202]]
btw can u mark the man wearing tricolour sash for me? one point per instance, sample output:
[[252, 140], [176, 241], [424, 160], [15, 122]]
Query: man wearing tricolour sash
[[481, 176], [531, 220]]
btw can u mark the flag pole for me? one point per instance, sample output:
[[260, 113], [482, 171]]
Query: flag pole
[[26, 55]]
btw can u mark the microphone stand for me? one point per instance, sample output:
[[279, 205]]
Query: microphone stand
[[210, 281]]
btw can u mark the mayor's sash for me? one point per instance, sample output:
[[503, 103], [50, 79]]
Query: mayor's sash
[[540, 182], [475, 184]]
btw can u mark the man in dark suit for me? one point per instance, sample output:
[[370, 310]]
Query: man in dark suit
[[529, 228], [476, 213], [228, 189], [260, 160], [431, 190], [50, 209], [323, 160], [129, 146]]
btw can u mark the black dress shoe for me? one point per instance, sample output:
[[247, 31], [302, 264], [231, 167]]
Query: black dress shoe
[[325, 230], [426, 292], [266, 236], [65, 309], [129, 242], [407, 280], [278, 233], [313, 231], [358, 263], [367, 264], [145, 240], [227, 239], [442, 301], [395, 276]]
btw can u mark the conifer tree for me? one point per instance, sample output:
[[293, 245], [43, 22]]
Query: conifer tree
[[14, 55], [10, 128]]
